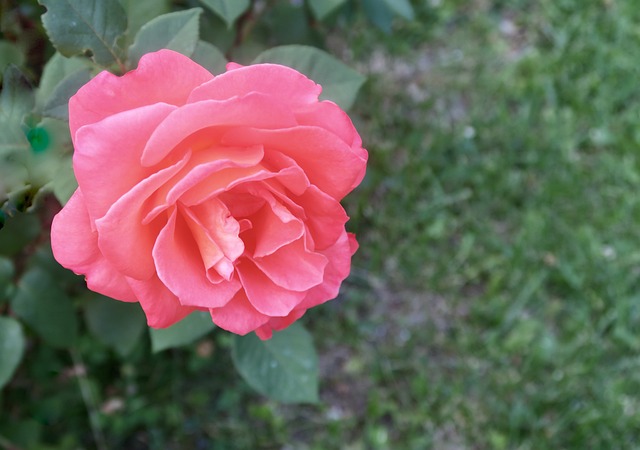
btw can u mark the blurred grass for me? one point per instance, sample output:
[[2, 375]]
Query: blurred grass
[[494, 302], [499, 228]]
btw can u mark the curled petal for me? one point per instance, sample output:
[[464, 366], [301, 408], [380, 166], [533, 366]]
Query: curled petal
[[181, 269], [331, 117], [279, 323], [238, 316], [306, 272], [254, 109], [107, 155], [75, 246], [278, 81], [156, 80], [275, 227], [160, 305], [327, 161], [266, 296], [339, 256], [123, 238], [325, 216]]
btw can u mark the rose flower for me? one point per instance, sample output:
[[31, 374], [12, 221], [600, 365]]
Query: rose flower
[[212, 193]]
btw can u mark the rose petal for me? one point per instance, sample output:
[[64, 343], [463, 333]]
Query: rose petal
[[122, 237], [221, 158], [253, 109], [202, 165], [161, 77], [279, 324], [339, 257], [331, 117], [75, 246], [107, 155], [181, 269], [327, 161], [265, 296], [224, 229], [293, 267], [228, 179], [275, 80], [238, 316], [161, 307], [275, 227], [325, 217]]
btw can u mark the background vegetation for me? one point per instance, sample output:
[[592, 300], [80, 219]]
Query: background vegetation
[[495, 301]]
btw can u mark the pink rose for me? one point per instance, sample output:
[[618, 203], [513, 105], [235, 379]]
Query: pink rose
[[210, 193]]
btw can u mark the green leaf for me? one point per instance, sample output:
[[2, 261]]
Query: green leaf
[[192, 327], [41, 303], [6, 277], [323, 8], [55, 71], [77, 26], [10, 53], [140, 12], [17, 98], [12, 345], [379, 14], [117, 324], [64, 183], [284, 368], [57, 106], [339, 82], [402, 8], [209, 57], [18, 231], [177, 31], [227, 10]]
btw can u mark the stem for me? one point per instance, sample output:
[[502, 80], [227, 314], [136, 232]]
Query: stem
[[89, 400]]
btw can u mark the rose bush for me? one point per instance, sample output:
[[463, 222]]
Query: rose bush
[[216, 193]]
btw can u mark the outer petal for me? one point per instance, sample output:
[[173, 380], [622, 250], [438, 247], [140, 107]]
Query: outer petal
[[107, 155], [238, 316], [279, 81], [325, 216], [164, 76], [327, 161], [255, 110], [331, 117], [161, 307], [75, 246], [181, 269], [279, 323], [339, 256]]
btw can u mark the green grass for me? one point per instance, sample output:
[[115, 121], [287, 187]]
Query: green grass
[[494, 301], [505, 212]]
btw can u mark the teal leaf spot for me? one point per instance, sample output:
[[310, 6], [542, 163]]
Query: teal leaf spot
[[39, 139]]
